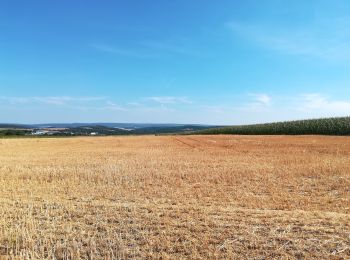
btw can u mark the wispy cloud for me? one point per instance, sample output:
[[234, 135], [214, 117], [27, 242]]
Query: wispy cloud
[[150, 49], [169, 100], [258, 102], [328, 40], [113, 106], [321, 103], [67, 102], [51, 100], [249, 108], [219, 109], [125, 52], [135, 104], [262, 99], [164, 46]]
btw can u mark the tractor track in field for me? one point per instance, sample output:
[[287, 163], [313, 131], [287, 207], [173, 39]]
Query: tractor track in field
[[187, 143], [200, 144]]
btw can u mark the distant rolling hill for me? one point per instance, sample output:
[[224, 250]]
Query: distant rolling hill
[[131, 130], [14, 126], [83, 129], [109, 125], [324, 126]]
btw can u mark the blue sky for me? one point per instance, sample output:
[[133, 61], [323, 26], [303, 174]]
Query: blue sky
[[178, 61]]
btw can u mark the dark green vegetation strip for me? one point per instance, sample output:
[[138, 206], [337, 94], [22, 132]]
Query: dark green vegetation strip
[[13, 132], [325, 126]]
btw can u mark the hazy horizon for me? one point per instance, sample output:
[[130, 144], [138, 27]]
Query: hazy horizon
[[162, 123]]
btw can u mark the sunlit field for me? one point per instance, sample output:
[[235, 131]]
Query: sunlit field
[[175, 197]]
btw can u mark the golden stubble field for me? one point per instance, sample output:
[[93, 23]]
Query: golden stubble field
[[175, 197]]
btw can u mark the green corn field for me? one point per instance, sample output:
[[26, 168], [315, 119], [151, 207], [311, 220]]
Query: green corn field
[[324, 126]]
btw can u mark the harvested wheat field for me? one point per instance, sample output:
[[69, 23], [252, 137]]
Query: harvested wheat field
[[199, 197]]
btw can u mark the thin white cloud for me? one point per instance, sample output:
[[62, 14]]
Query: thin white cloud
[[219, 109], [125, 52], [113, 106], [263, 99], [258, 102], [164, 46], [135, 104], [149, 49], [251, 108], [51, 100], [169, 100], [327, 40], [323, 104]]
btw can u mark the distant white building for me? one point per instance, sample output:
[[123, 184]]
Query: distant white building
[[93, 133], [39, 132]]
